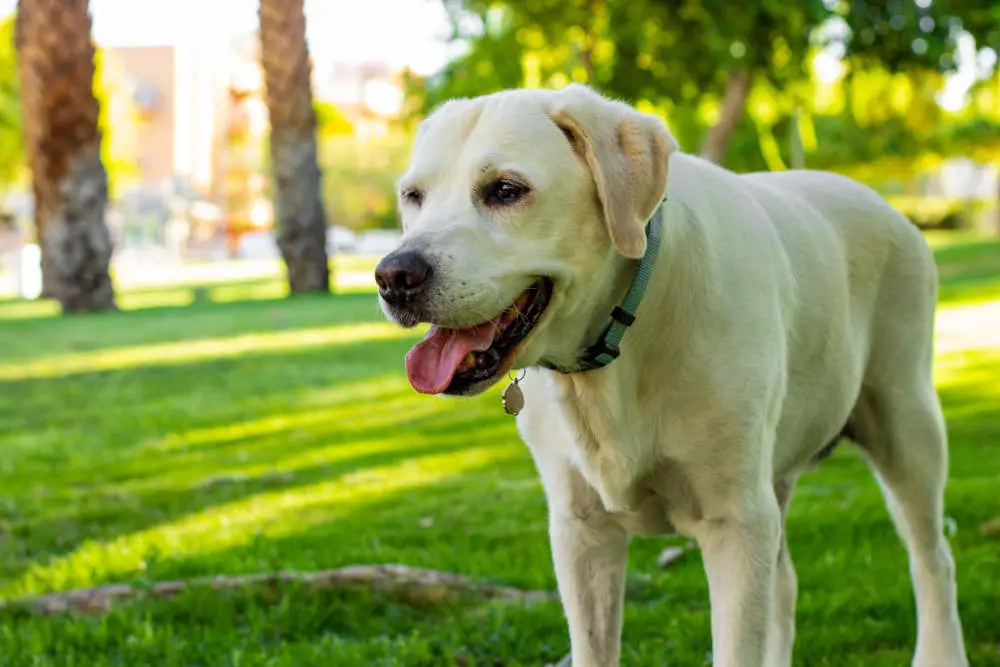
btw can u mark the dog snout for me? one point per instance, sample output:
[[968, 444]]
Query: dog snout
[[400, 276]]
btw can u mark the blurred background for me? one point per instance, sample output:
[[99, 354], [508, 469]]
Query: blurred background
[[184, 125], [903, 95], [207, 186]]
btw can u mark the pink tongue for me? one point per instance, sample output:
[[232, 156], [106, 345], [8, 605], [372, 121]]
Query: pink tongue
[[432, 362]]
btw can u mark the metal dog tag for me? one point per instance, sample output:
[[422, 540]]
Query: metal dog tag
[[513, 398]]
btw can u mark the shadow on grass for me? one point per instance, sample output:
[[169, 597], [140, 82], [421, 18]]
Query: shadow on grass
[[100, 454], [855, 604], [38, 338], [856, 595], [134, 404], [133, 527], [321, 457]]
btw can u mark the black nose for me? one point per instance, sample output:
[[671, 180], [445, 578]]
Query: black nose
[[399, 276]]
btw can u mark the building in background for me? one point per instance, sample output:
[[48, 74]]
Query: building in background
[[178, 96], [190, 98], [368, 94], [200, 129]]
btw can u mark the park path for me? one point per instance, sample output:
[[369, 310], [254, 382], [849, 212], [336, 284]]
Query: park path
[[968, 327]]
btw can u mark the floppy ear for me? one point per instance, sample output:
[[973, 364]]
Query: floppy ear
[[627, 153]]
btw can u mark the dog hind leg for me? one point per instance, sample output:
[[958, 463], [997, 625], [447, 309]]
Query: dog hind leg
[[903, 432], [781, 637]]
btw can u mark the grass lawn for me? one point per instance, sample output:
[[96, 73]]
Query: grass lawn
[[245, 433]]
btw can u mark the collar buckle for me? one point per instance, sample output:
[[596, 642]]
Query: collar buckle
[[604, 350], [599, 354]]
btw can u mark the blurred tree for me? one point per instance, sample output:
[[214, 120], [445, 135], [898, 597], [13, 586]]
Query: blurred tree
[[64, 148], [908, 35], [709, 68], [360, 168], [698, 55], [330, 122], [28, 128], [360, 184], [922, 39], [16, 141], [298, 204], [12, 155], [493, 58]]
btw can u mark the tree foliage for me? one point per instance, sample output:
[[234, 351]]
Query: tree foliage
[[12, 154], [908, 35], [360, 175], [330, 122], [677, 58]]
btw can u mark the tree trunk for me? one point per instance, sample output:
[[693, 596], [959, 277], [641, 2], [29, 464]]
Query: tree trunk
[[716, 141], [590, 42], [299, 207], [70, 182], [29, 116], [796, 151], [587, 60]]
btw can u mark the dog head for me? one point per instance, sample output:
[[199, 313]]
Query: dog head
[[519, 210]]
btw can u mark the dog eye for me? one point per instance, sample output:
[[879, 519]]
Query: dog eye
[[504, 193], [412, 196]]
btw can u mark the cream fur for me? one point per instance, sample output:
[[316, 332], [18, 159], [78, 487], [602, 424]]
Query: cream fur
[[783, 307]]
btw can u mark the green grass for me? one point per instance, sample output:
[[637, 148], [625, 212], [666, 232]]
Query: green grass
[[246, 433]]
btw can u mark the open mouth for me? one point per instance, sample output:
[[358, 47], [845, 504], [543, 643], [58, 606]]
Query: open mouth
[[453, 360]]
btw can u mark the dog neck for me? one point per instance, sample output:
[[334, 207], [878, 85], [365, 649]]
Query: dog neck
[[607, 406], [628, 287]]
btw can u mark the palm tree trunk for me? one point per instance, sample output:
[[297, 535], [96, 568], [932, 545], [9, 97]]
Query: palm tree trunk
[[70, 182], [299, 207], [716, 141], [29, 116]]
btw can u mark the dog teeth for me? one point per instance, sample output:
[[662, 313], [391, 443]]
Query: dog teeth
[[515, 308], [468, 362]]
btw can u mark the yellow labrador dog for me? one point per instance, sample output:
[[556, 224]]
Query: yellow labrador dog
[[691, 341]]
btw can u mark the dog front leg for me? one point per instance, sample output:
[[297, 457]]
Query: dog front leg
[[589, 552], [740, 555]]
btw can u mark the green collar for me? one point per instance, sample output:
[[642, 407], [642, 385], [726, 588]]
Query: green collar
[[606, 348]]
